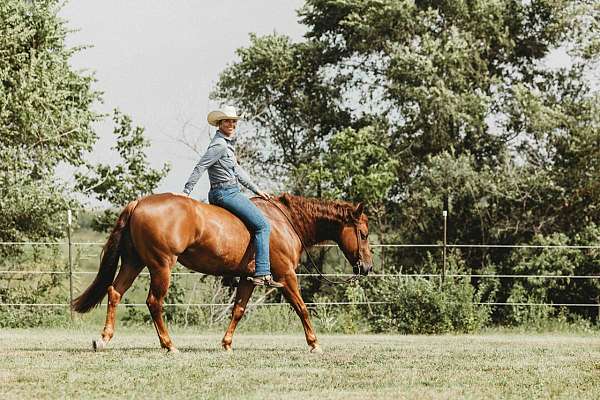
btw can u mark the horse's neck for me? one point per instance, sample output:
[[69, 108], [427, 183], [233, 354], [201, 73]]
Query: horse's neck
[[315, 229]]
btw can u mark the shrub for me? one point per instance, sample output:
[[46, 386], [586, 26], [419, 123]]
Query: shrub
[[416, 305], [553, 262]]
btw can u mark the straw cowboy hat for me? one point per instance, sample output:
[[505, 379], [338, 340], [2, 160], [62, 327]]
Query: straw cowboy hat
[[226, 112]]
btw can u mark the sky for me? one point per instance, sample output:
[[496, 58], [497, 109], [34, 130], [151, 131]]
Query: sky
[[158, 61]]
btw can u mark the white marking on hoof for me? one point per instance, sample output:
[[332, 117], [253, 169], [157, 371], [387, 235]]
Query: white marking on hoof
[[98, 345], [172, 350], [316, 350]]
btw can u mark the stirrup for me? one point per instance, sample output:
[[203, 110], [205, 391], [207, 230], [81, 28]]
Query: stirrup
[[265, 280]]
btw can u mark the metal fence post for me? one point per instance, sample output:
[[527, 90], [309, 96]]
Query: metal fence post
[[445, 215], [69, 222], [383, 260]]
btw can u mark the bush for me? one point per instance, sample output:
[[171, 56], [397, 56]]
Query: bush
[[417, 305], [553, 262]]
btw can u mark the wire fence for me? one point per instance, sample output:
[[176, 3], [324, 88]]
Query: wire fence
[[444, 247]]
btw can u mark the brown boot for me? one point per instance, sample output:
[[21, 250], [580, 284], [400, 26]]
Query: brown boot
[[265, 280]]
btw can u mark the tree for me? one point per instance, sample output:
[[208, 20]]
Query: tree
[[357, 166], [131, 178], [457, 77], [416, 105], [46, 119]]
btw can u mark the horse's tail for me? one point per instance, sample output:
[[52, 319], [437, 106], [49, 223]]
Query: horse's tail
[[94, 294]]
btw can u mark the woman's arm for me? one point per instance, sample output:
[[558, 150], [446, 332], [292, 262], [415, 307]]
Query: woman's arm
[[245, 179], [213, 153]]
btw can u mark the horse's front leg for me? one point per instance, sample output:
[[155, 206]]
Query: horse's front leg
[[242, 295], [291, 291]]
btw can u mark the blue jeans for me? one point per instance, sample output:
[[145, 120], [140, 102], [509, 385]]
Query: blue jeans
[[232, 199]]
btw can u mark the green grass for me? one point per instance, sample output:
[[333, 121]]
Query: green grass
[[58, 363]]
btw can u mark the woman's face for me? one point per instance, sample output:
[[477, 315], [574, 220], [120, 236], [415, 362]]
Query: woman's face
[[227, 126]]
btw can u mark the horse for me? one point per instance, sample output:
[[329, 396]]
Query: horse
[[159, 230]]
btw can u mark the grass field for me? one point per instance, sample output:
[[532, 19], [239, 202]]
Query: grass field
[[59, 363]]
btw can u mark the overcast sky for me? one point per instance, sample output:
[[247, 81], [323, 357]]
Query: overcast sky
[[158, 60]]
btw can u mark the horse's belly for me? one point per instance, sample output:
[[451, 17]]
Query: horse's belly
[[218, 264]]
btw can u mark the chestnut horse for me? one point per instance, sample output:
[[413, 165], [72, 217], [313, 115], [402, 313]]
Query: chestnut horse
[[159, 230]]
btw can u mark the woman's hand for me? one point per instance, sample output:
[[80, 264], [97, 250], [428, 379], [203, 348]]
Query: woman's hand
[[264, 195]]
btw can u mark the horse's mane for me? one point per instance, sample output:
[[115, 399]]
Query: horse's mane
[[305, 212], [312, 208]]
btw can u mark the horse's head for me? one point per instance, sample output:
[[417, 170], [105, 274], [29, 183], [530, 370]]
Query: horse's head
[[354, 241]]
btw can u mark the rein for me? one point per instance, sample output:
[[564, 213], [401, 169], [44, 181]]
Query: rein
[[314, 265]]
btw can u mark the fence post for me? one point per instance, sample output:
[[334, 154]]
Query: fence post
[[445, 215], [69, 222], [382, 259]]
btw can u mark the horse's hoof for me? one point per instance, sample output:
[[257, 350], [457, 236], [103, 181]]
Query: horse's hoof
[[172, 350], [98, 345], [316, 350], [227, 348]]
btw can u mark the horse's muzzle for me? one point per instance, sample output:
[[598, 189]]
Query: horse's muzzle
[[362, 268]]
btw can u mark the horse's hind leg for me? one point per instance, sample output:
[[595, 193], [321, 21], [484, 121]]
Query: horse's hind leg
[[127, 274], [291, 291], [242, 295], [160, 277]]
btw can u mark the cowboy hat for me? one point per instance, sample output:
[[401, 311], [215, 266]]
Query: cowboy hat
[[226, 112]]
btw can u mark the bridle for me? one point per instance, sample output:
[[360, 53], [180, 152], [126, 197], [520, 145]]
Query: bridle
[[359, 262]]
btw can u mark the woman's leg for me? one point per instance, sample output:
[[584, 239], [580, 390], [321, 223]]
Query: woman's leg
[[242, 207]]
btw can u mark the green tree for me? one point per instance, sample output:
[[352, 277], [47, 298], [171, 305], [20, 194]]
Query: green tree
[[46, 120], [418, 105], [129, 179], [439, 76], [357, 166]]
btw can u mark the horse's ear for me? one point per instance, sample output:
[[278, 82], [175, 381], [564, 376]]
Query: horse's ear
[[358, 211]]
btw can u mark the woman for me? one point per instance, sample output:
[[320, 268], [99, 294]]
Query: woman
[[225, 174]]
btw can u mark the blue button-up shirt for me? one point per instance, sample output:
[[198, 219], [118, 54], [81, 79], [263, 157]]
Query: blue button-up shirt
[[221, 163]]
